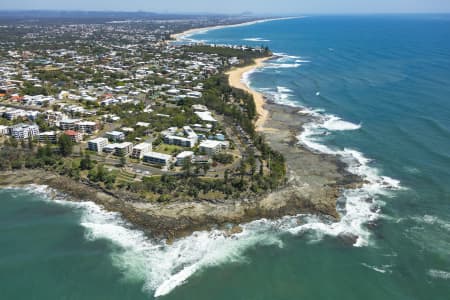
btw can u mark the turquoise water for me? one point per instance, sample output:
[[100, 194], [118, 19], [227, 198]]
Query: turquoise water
[[380, 87]]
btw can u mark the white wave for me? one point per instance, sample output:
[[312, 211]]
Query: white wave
[[160, 266], [284, 61], [361, 205], [334, 123], [281, 95], [256, 39], [246, 77], [284, 56], [383, 269], [312, 112], [302, 61], [281, 66], [433, 220], [439, 274]]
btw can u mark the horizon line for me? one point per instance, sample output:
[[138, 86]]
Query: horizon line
[[248, 14]]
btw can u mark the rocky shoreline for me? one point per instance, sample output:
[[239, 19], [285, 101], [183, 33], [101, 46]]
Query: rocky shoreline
[[315, 182]]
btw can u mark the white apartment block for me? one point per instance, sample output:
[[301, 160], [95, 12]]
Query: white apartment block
[[123, 149], [48, 137], [140, 149], [211, 147], [183, 156], [78, 125], [86, 127], [23, 131], [157, 158], [181, 141], [97, 144]]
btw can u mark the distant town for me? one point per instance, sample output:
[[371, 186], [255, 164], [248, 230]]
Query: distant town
[[114, 103]]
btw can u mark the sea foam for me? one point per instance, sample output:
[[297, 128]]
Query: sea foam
[[360, 206], [256, 39], [439, 274], [162, 267]]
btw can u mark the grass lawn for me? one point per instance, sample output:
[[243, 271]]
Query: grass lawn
[[169, 149]]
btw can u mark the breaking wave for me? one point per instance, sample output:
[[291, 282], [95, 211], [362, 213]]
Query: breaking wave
[[439, 274], [160, 266], [357, 206], [256, 39], [285, 61], [280, 94], [383, 269], [360, 205], [334, 123], [433, 220]]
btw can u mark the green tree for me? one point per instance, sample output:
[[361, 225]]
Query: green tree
[[123, 161], [187, 167], [65, 145], [226, 175], [101, 173], [13, 142], [30, 144], [86, 162]]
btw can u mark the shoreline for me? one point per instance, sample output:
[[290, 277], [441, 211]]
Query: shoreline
[[177, 37], [315, 181], [235, 79]]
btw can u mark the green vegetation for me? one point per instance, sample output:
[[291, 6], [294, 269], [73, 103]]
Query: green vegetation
[[65, 145], [246, 56]]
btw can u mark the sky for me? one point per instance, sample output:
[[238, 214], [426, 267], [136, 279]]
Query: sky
[[285, 7]]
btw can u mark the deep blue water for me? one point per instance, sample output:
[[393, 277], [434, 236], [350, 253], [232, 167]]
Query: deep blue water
[[381, 87]]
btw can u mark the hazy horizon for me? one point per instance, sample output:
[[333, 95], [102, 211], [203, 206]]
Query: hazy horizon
[[288, 7]]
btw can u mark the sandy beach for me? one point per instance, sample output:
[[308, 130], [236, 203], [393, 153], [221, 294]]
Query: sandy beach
[[187, 33], [235, 80]]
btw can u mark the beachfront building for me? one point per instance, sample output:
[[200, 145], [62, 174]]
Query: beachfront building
[[115, 136], [24, 131], [97, 144], [183, 156], [48, 137], [156, 158], [211, 147], [140, 149]]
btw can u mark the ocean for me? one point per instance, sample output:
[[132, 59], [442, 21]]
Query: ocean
[[380, 88]]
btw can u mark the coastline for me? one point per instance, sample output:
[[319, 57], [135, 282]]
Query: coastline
[[235, 77], [192, 31], [315, 181]]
